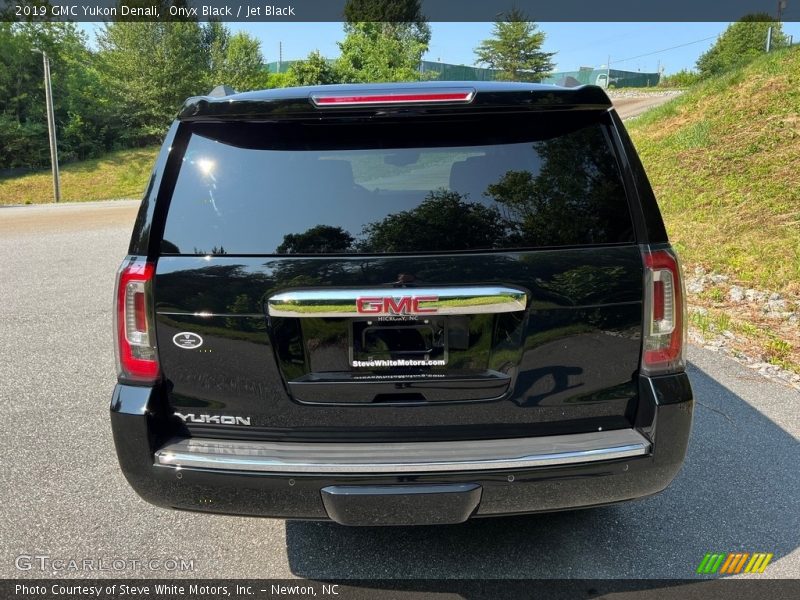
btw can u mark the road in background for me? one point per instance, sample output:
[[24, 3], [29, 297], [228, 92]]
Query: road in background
[[633, 106], [68, 217]]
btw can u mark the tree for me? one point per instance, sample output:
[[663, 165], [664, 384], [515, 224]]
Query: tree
[[314, 70], [320, 239], [574, 195], [444, 220], [280, 80], [384, 41], [515, 49], [682, 79], [149, 69], [215, 38], [740, 43], [124, 94], [242, 305], [383, 11], [81, 114], [236, 60]]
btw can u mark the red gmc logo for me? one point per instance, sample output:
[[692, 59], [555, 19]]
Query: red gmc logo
[[406, 305]]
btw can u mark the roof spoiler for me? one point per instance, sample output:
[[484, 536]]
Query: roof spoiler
[[372, 100]]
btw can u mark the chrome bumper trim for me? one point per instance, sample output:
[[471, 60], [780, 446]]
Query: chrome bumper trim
[[402, 457], [374, 302]]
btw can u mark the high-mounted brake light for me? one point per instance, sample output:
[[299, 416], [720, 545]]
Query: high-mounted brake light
[[332, 99], [664, 313], [137, 359]]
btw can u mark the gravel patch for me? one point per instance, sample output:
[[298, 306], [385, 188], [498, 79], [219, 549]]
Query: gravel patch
[[765, 310]]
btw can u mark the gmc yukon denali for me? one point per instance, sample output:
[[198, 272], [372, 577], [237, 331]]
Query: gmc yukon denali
[[399, 304]]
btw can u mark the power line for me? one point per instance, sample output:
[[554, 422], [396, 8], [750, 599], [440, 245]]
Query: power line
[[665, 49]]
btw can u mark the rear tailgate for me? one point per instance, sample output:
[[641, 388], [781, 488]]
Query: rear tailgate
[[440, 277]]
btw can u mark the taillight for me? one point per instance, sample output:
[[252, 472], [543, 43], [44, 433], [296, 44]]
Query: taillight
[[664, 313], [330, 99], [137, 359]]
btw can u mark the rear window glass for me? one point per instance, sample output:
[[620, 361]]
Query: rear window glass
[[374, 188]]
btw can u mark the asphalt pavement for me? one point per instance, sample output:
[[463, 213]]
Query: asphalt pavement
[[62, 494]]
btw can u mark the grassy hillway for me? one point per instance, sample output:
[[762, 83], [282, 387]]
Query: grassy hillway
[[121, 174], [724, 159]]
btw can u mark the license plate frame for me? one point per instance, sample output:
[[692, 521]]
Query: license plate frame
[[407, 342]]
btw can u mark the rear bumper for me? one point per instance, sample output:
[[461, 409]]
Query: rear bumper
[[396, 458], [408, 483]]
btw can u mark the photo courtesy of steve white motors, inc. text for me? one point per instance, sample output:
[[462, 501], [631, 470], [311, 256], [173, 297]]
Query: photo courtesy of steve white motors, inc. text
[[193, 590]]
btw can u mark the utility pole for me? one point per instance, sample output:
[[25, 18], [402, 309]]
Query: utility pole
[[769, 38], [280, 55], [781, 7], [51, 125]]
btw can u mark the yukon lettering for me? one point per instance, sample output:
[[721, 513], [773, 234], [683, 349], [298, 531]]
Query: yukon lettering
[[217, 419]]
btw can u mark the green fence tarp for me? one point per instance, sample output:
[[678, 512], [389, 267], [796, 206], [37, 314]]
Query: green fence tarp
[[449, 72], [606, 77]]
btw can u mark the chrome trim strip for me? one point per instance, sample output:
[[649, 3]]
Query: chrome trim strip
[[461, 300], [401, 457]]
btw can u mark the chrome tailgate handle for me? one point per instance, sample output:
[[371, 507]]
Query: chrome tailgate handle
[[418, 301]]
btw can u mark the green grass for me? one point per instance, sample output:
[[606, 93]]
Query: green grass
[[753, 338], [714, 294], [779, 353], [121, 174], [724, 159]]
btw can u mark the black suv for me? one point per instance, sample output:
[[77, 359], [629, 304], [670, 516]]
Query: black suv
[[399, 304]]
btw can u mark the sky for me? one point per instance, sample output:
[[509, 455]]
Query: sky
[[631, 46]]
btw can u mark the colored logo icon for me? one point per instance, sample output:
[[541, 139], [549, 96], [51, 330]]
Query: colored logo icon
[[731, 563]]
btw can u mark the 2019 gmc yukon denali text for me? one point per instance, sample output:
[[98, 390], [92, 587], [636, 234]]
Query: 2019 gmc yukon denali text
[[399, 304]]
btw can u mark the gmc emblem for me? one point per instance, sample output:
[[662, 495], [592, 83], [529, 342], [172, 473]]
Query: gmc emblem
[[405, 305]]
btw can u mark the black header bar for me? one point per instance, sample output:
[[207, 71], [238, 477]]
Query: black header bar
[[433, 10]]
